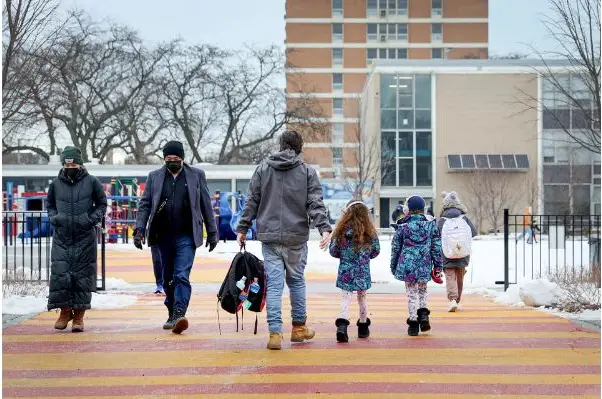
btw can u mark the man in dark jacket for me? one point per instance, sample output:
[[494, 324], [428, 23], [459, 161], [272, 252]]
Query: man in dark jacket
[[172, 210], [76, 203], [284, 195]]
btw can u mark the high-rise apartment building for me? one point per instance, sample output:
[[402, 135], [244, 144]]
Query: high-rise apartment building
[[331, 44]]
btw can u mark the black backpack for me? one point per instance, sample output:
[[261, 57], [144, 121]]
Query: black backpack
[[247, 265]]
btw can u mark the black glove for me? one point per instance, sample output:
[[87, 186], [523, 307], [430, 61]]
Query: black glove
[[211, 242], [138, 238]]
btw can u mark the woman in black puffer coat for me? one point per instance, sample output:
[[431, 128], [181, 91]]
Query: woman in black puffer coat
[[76, 203]]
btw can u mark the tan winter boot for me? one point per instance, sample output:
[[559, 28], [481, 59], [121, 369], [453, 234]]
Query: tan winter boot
[[78, 320], [275, 341], [64, 318], [301, 332]]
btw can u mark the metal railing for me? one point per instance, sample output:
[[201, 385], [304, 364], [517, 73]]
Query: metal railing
[[27, 241], [537, 246]]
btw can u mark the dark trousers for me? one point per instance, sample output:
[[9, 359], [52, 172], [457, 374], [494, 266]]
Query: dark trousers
[[157, 265], [177, 257]]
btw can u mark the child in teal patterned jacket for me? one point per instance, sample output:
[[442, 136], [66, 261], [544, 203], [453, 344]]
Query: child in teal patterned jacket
[[354, 242], [415, 251]]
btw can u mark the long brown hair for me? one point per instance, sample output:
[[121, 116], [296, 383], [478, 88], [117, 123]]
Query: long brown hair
[[357, 218]]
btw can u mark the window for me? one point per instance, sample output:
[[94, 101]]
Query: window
[[382, 32], [370, 55], [337, 57], [562, 154], [402, 31], [391, 31], [338, 132], [424, 170], [337, 107], [372, 32], [382, 53], [372, 8], [337, 81], [388, 160], [337, 32], [436, 54], [405, 145], [402, 53], [436, 32], [337, 8], [548, 154], [392, 54], [402, 7], [436, 8], [423, 119], [242, 185], [337, 156]]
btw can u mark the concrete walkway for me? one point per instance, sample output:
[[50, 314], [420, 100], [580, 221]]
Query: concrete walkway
[[486, 350]]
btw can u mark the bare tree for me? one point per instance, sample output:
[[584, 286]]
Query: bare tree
[[190, 95], [575, 27], [489, 193], [28, 26]]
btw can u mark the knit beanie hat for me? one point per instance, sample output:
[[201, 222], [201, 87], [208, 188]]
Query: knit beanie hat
[[452, 200], [173, 148], [71, 155], [415, 203]]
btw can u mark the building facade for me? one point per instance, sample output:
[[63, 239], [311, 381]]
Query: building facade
[[331, 45], [477, 127]]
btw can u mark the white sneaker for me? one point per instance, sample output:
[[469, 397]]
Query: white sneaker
[[453, 305]]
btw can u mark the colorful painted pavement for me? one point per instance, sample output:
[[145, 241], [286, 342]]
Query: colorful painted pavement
[[484, 351]]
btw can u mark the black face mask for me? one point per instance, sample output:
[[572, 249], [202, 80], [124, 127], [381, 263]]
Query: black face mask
[[71, 172], [174, 166]]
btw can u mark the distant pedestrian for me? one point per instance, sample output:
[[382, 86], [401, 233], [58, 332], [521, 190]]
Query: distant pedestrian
[[175, 205], [354, 242], [285, 195], [415, 253], [457, 231], [527, 227], [157, 270], [76, 203]]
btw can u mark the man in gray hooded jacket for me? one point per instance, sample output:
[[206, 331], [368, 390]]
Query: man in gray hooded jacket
[[284, 194]]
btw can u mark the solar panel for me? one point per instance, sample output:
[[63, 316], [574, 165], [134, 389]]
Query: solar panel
[[453, 161], [495, 161], [468, 161], [482, 162], [522, 161], [509, 161]]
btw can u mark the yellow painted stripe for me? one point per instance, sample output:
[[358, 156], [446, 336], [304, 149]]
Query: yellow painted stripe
[[204, 358], [309, 378], [163, 336], [337, 396]]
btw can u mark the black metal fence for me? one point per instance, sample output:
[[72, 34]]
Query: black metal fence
[[538, 246], [27, 241]]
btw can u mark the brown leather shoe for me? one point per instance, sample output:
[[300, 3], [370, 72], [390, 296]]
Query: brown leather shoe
[[275, 342], [64, 318], [78, 320], [301, 333]]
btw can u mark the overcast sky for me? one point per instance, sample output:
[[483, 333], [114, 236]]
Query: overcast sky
[[230, 24]]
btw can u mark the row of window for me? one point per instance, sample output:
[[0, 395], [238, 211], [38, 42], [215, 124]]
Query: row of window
[[383, 8], [406, 158], [384, 54], [387, 32]]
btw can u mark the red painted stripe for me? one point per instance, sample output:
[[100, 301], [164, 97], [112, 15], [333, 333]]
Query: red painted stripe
[[455, 369], [299, 388], [322, 342], [230, 326]]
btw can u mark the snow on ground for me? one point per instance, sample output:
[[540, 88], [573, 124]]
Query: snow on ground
[[27, 304]]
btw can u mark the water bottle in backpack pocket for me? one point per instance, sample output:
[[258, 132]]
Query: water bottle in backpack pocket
[[456, 238]]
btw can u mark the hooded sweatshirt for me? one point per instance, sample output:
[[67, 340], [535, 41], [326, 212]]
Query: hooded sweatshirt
[[284, 195]]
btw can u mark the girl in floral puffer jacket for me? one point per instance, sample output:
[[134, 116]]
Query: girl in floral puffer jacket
[[354, 242]]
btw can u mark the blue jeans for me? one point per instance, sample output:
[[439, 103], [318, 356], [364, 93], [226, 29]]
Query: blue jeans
[[278, 261], [177, 257], [527, 232], [157, 265]]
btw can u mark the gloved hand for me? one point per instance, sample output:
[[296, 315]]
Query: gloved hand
[[138, 238], [437, 275], [211, 242]]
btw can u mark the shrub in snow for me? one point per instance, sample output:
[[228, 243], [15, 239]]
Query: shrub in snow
[[18, 285], [540, 292], [578, 290]]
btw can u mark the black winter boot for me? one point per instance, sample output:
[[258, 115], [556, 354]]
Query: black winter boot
[[168, 325], [180, 321], [423, 319], [413, 328], [362, 329], [342, 330]]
